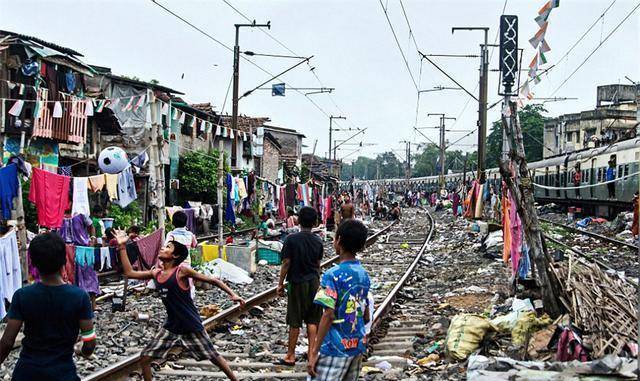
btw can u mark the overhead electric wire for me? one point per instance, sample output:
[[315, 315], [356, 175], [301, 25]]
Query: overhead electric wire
[[596, 48], [395, 37], [230, 49], [411, 36], [311, 69]]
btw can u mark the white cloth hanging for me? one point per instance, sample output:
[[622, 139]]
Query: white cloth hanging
[[10, 272], [80, 197]]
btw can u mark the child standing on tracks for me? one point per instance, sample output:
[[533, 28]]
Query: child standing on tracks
[[183, 326], [336, 354], [181, 233], [53, 313], [301, 256]]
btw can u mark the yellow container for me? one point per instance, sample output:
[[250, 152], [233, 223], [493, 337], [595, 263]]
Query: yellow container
[[210, 252]]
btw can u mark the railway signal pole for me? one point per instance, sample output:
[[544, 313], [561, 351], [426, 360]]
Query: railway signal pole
[[520, 185]]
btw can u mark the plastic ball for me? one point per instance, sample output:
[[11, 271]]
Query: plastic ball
[[113, 160]]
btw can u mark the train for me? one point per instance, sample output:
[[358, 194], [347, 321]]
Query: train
[[554, 178]]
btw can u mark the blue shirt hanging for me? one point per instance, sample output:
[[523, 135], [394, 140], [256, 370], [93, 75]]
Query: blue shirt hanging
[[8, 189], [229, 214]]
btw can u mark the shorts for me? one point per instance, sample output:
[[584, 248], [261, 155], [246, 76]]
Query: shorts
[[300, 306], [331, 368], [197, 344]]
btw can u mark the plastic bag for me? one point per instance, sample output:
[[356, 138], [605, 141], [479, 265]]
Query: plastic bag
[[465, 335], [221, 269], [526, 324]]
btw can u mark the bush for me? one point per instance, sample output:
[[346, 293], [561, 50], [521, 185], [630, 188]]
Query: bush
[[198, 175], [123, 218]]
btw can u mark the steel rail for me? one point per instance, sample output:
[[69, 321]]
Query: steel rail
[[590, 234], [121, 369], [387, 303]]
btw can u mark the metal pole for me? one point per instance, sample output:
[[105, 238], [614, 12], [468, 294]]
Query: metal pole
[[236, 82], [219, 193], [482, 131], [330, 135], [236, 71], [442, 158]]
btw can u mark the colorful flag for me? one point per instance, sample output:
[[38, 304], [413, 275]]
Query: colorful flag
[[224, 132], [539, 36], [231, 135], [544, 47], [192, 124], [21, 89], [165, 108], [37, 109], [218, 130], [57, 110], [525, 92], [543, 17], [278, 89], [182, 117], [140, 102], [542, 59], [244, 136], [174, 112], [548, 6], [129, 105], [16, 109]]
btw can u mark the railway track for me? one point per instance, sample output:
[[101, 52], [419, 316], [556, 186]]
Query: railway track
[[249, 352], [607, 252]]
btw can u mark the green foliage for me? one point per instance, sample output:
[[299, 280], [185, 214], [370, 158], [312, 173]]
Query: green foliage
[[125, 217], [198, 173], [532, 124], [384, 166], [426, 162]]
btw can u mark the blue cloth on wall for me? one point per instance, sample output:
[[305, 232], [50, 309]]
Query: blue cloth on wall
[[229, 214], [8, 189], [126, 188]]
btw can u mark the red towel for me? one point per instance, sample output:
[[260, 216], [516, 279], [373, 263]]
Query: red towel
[[50, 194]]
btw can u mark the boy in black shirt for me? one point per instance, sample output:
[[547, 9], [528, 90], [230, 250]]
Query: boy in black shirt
[[301, 255], [53, 313]]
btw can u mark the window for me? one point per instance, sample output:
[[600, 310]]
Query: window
[[626, 169], [620, 170]]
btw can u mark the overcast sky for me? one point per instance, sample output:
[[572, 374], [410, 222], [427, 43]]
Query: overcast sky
[[354, 51]]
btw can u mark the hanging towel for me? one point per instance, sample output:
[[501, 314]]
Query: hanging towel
[[242, 190], [97, 183], [149, 247], [50, 194], [112, 185], [8, 189], [126, 188], [11, 275], [80, 196]]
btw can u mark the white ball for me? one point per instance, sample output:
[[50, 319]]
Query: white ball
[[113, 160]]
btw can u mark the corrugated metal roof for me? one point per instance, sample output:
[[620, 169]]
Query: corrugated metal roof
[[37, 40]]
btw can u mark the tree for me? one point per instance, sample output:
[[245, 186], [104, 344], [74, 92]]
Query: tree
[[198, 175], [532, 124]]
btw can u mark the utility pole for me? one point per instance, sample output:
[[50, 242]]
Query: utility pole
[[482, 99], [443, 147], [219, 193], [331, 118], [236, 69]]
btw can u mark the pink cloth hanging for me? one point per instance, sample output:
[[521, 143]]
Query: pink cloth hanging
[[282, 209], [516, 234]]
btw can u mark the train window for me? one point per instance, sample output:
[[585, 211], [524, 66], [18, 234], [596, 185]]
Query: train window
[[620, 169], [626, 169]]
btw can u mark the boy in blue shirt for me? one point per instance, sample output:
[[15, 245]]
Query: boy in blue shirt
[[53, 313], [336, 354]]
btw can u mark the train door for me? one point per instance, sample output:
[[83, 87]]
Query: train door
[[592, 177]]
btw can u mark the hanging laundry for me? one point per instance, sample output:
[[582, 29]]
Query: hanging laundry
[[70, 81], [140, 161], [80, 196], [191, 219], [50, 194], [112, 185], [96, 183], [66, 232], [104, 255], [64, 170], [86, 276], [57, 110], [229, 214], [16, 109], [242, 191], [149, 247], [516, 234], [8, 189], [126, 188], [69, 268], [80, 225], [10, 270], [171, 210]]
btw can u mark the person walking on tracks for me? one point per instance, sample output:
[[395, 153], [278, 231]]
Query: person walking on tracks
[[301, 255], [52, 313], [183, 326], [336, 354]]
